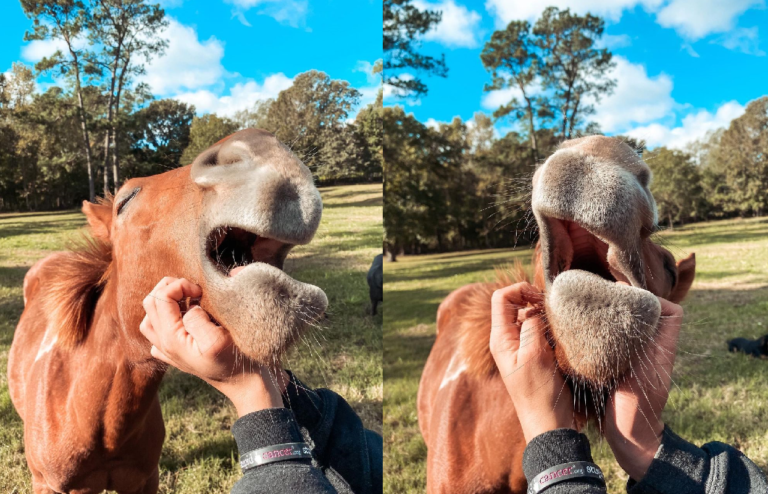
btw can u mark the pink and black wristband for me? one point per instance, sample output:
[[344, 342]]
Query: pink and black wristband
[[276, 452], [564, 472]]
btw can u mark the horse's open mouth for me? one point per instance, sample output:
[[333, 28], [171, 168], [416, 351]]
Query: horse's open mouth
[[231, 249], [597, 324]]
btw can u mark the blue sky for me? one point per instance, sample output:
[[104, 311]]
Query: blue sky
[[225, 54], [684, 67]]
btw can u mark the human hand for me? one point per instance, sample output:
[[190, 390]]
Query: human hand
[[633, 425], [527, 363], [197, 346]]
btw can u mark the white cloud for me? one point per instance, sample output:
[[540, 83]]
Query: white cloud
[[290, 12], [508, 10], [366, 68], [187, 63], [694, 126], [241, 95], [636, 99], [458, 27], [692, 19], [695, 19], [745, 40], [689, 50], [494, 99], [614, 41], [368, 94], [41, 48], [170, 4], [433, 124]]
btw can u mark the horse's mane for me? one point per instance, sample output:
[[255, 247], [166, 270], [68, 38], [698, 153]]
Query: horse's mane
[[74, 284], [475, 317]]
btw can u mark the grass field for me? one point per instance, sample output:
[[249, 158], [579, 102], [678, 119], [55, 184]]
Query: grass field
[[199, 455], [719, 396]]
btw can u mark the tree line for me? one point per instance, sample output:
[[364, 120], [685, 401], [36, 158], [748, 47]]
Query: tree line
[[97, 125], [459, 185]]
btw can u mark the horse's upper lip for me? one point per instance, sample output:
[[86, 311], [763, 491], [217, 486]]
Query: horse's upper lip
[[230, 247]]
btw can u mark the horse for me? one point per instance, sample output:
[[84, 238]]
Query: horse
[[600, 272], [80, 373], [376, 282]]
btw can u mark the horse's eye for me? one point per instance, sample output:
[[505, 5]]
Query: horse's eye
[[127, 199]]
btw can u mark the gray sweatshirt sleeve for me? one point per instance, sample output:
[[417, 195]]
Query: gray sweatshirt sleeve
[[557, 447], [347, 458], [679, 467], [266, 428]]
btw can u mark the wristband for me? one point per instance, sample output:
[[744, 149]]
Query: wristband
[[276, 452], [566, 471]]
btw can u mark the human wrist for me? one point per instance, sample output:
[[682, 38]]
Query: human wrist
[[635, 453], [541, 425], [251, 394]]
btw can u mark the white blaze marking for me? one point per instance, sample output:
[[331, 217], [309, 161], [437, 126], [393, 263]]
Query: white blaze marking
[[46, 345], [455, 369]]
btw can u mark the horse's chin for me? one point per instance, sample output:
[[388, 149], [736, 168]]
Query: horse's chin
[[599, 326], [263, 308]]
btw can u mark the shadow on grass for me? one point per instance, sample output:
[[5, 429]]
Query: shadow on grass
[[11, 216], [332, 194], [734, 232], [39, 227], [450, 269], [373, 201]]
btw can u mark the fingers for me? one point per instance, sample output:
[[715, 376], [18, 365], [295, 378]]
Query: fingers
[[505, 329], [207, 335]]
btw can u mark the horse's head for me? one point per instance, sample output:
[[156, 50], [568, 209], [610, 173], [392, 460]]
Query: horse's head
[[227, 223], [601, 270]]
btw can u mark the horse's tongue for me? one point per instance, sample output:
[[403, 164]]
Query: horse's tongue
[[234, 271]]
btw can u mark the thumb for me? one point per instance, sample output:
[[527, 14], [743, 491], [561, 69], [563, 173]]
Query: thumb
[[205, 333]]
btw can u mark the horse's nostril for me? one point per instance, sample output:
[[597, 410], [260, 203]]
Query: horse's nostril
[[287, 192]]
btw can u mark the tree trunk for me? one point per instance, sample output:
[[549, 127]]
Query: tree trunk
[[115, 157], [86, 141], [83, 125]]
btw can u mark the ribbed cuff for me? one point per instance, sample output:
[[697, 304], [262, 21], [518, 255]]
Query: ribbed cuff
[[266, 428], [678, 466], [554, 448]]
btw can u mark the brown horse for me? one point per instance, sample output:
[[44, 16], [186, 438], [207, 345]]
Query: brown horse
[[598, 268], [80, 373]]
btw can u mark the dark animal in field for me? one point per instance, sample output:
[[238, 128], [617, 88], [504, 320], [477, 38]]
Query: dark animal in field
[[600, 271], [79, 372], [376, 282], [756, 348]]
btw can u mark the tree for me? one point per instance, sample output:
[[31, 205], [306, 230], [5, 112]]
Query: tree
[[65, 20], [511, 57], [403, 25], [739, 162], [159, 134], [127, 30], [572, 67], [310, 112], [676, 185], [204, 132], [369, 135], [254, 117]]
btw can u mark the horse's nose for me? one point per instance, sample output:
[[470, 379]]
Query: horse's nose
[[604, 194], [255, 180]]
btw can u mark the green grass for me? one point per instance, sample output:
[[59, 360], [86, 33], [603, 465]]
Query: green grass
[[719, 396], [199, 455]]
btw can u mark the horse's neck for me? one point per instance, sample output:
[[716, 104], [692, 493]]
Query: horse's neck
[[120, 340]]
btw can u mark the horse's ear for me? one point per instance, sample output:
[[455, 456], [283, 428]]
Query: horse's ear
[[686, 271], [100, 218]]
